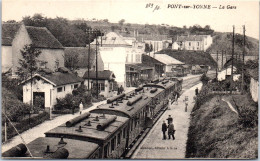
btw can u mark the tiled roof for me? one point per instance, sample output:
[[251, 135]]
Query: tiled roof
[[166, 59], [146, 59], [106, 74], [59, 78], [8, 32], [42, 38], [83, 55], [112, 38], [191, 38]]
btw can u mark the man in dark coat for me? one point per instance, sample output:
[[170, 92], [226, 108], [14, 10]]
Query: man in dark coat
[[171, 131], [164, 129], [169, 119], [196, 91]]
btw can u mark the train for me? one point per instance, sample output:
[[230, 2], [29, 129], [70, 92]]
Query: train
[[107, 132]]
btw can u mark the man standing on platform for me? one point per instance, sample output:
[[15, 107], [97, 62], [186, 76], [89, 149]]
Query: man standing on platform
[[169, 119], [171, 131], [164, 129]]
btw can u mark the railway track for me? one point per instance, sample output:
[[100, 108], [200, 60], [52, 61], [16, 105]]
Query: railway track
[[188, 83]]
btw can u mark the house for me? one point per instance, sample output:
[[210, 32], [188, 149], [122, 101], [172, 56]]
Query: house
[[16, 36], [157, 65], [105, 81], [116, 52], [193, 42], [81, 64], [50, 85], [170, 63], [226, 74], [137, 74]]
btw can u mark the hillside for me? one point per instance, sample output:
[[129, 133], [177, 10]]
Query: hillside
[[190, 57], [223, 41], [218, 132]]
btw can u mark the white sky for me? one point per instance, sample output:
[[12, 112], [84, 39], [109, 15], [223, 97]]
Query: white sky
[[134, 11]]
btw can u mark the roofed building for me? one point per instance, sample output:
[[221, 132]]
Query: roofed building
[[105, 81], [193, 42], [16, 36], [50, 85]]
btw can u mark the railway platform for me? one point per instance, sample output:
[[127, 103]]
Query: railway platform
[[154, 147]]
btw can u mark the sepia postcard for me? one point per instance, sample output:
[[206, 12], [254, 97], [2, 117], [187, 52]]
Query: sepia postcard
[[130, 79]]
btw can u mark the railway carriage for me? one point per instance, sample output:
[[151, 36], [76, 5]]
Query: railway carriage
[[107, 131]]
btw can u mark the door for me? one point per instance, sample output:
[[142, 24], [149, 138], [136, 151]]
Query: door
[[39, 100]]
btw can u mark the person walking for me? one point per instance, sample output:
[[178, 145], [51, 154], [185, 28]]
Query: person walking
[[196, 91], [121, 89], [169, 103], [171, 131], [80, 108], [177, 95], [164, 129], [169, 119]]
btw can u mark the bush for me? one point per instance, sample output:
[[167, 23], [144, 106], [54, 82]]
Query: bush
[[68, 102], [23, 125]]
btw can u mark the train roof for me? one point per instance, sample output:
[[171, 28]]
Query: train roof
[[123, 107], [165, 84], [90, 133], [77, 149], [151, 92]]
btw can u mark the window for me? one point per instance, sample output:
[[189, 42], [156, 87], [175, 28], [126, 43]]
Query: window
[[198, 44], [59, 89], [124, 132], [118, 138], [113, 143], [101, 86], [64, 88], [138, 58], [76, 85], [189, 43]]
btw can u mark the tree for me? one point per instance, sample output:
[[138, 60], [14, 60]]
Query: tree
[[28, 66], [106, 20], [121, 22], [28, 63], [71, 61]]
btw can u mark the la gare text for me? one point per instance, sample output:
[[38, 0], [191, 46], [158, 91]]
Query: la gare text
[[179, 6]]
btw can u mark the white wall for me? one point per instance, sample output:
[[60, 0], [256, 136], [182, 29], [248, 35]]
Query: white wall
[[114, 59], [38, 86], [6, 58], [254, 89], [50, 91], [21, 39], [50, 56]]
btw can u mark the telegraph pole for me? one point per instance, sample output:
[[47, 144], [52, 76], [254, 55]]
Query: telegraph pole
[[243, 58], [217, 67], [89, 31], [96, 61], [222, 60], [232, 57]]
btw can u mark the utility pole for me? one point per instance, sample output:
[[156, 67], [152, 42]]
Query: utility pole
[[217, 67], [232, 57], [89, 32], [243, 59], [226, 60], [222, 60], [96, 61]]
